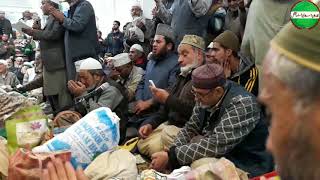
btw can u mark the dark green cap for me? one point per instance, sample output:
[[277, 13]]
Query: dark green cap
[[300, 45]]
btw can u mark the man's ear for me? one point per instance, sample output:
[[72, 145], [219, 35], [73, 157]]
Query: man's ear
[[229, 52], [169, 46], [219, 91], [199, 54]]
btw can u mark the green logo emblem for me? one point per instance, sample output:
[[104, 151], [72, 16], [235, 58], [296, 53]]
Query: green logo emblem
[[305, 14]]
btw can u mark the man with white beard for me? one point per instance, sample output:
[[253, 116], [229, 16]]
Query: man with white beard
[[171, 117], [140, 30]]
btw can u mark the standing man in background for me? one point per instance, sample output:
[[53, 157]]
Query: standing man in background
[[80, 37], [114, 40], [5, 25], [185, 17], [52, 54]]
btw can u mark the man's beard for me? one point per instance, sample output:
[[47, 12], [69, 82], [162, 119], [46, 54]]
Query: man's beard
[[188, 68], [161, 55], [300, 162]]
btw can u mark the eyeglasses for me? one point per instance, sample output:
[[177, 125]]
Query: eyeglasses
[[197, 94]]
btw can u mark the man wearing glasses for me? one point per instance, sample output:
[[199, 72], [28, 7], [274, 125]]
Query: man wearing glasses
[[226, 122]]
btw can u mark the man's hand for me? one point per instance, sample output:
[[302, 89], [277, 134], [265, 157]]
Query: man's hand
[[227, 68], [57, 170], [159, 95], [28, 31], [142, 106], [159, 161], [57, 15], [76, 88], [145, 131]]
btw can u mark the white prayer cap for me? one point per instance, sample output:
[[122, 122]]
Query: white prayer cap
[[90, 64], [120, 59], [4, 62], [136, 3], [137, 47], [56, 1], [210, 45]]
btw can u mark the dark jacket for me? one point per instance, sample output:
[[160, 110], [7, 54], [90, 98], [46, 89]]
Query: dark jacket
[[51, 45], [247, 76], [234, 129], [81, 39], [5, 27], [114, 43], [172, 111]]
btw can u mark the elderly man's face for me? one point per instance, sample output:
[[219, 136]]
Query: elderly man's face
[[27, 15], [134, 54], [233, 5], [10, 63], [124, 70], [88, 79], [207, 97], [288, 146], [19, 61], [189, 55], [136, 11]]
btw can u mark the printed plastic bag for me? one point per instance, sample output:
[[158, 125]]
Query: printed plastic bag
[[92, 135], [25, 128]]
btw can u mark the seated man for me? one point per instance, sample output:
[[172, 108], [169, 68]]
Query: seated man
[[156, 134], [138, 56], [8, 80], [224, 50], [126, 74], [103, 92], [162, 68], [226, 122]]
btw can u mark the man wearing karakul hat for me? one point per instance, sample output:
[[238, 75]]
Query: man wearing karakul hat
[[162, 68]]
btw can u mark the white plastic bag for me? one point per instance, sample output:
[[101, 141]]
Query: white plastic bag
[[95, 133]]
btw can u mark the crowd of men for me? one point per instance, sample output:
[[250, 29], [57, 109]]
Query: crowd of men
[[185, 82]]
